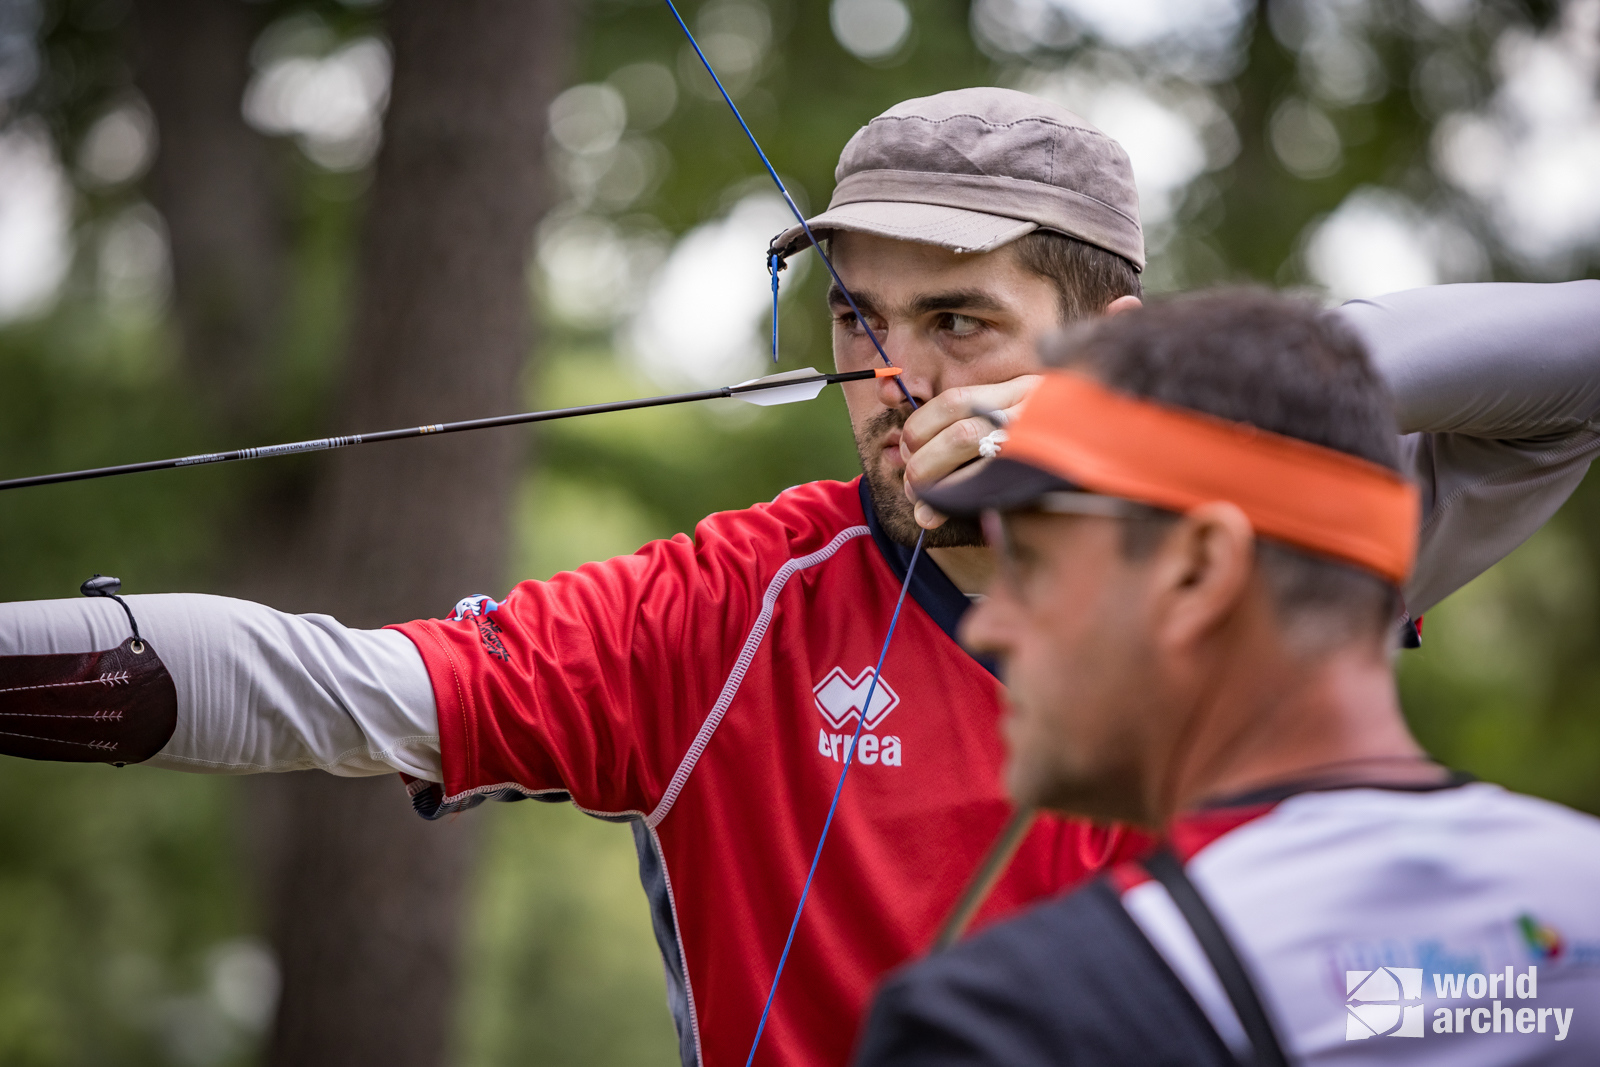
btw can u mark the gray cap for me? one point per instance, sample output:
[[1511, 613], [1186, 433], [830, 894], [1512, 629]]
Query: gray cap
[[975, 169]]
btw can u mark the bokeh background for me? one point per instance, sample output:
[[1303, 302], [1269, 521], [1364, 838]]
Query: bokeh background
[[223, 223]]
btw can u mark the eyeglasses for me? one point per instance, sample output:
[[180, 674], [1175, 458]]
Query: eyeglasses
[[1060, 502], [1072, 502]]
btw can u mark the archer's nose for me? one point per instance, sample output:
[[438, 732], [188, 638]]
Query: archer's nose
[[912, 381], [893, 392]]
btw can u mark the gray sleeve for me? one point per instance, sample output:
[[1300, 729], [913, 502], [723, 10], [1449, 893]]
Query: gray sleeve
[[1497, 389], [258, 689]]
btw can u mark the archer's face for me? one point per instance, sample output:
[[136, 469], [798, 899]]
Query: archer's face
[[948, 321]]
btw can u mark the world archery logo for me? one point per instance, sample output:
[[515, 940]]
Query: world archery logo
[[1378, 1003], [840, 697], [1543, 941]]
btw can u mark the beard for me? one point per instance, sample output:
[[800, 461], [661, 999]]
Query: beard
[[895, 512]]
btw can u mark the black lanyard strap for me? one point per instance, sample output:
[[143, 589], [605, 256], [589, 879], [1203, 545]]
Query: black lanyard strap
[[1167, 869]]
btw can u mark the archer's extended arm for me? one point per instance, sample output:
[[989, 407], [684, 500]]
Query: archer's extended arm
[[1497, 389], [257, 689]]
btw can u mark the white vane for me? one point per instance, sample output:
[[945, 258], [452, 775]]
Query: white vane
[[809, 389]]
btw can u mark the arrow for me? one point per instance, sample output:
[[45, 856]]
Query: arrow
[[787, 388]]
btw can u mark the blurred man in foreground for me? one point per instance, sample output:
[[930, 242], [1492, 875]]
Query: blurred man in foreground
[[1202, 535]]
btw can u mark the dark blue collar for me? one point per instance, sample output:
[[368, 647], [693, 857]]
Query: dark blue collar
[[931, 588]]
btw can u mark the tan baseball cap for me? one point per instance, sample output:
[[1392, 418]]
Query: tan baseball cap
[[975, 169]]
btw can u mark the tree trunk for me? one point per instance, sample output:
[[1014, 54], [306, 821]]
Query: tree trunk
[[369, 895], [215, 184], [363, 898], [443, 327]]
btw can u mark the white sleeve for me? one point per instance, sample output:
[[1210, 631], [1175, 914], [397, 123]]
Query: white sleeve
[[1497, 389], [258, 689]]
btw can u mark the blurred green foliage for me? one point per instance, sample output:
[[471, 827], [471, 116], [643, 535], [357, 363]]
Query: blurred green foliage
[[120, 893], [126, 926], [562, 966]]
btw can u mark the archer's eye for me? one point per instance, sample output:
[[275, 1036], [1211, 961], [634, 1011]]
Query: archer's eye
[[962, 325], [855, 324]]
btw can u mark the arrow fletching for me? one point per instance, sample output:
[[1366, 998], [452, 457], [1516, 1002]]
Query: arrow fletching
[[771, 395], [808, 385]]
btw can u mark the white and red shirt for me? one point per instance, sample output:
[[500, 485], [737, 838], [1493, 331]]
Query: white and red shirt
[[1450, 926], [1455, 926], [705, 691]]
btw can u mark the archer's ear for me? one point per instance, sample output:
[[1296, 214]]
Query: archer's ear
[[1121, 304], [1203, 572]]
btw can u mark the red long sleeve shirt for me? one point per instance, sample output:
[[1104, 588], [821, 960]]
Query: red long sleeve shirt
[[705, 691]]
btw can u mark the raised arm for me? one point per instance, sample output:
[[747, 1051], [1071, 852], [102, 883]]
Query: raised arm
[[257, 689], [1497, 388], [593, 684]]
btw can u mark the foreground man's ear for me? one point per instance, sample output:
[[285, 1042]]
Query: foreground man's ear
[[1205, 568], [1121, 304]]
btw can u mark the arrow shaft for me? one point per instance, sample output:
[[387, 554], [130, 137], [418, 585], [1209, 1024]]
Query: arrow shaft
[[323, 444]]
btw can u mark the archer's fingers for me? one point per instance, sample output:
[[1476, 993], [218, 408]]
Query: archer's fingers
[[954, 405], [926, 517], [954, 446]]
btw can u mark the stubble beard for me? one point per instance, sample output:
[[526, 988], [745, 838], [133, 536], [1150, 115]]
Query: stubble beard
[[895, 513]]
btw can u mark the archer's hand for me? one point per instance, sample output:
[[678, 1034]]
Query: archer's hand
[[943, 434]]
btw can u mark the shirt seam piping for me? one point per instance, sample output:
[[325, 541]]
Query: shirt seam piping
[[467, 720], [526, 791], [677, 933], [747, 654]]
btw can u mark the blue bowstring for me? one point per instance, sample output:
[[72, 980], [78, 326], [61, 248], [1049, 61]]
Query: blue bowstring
[[774, 264], [838, 790], [798, 214]]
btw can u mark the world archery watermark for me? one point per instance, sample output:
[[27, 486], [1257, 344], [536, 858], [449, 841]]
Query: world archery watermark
[[1388, 1002], [1377, 1003]]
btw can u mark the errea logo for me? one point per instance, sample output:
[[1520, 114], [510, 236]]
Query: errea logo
[[842, 699], [1378, 1003]]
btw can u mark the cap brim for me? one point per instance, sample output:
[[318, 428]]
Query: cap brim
[[948, 227], [1002, 484]]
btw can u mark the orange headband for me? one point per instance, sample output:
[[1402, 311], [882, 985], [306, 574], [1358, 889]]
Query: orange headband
[[1311, 497]]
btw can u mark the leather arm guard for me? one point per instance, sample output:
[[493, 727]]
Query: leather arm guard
[[117, 705]]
